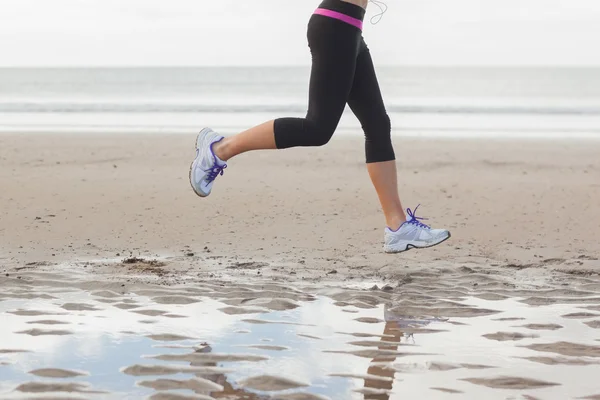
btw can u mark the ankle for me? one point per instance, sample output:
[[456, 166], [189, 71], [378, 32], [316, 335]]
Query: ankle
[[395, 222], [220, 149]]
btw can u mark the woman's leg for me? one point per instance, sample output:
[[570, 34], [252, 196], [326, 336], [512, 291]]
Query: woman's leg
[[366, 102], [334, 47], [261, 137]]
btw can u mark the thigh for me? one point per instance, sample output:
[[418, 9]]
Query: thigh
[[365, 97], [334, 48]]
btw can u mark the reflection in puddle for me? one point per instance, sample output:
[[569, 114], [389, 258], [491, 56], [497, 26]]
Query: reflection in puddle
[[278, 343]]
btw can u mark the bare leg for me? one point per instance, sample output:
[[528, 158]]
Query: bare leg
[[384, 178], [261, 137], [366, 102]]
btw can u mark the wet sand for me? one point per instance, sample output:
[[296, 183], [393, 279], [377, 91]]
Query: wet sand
[[524, 210], [430, 339]]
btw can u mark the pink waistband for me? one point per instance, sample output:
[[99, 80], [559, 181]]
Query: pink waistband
[[342, 17]]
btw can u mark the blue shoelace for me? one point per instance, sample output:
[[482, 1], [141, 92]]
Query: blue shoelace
[[414, 220], [215, 171]]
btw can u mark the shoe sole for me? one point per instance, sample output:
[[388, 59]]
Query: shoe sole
[[412, 246], [199, 194]]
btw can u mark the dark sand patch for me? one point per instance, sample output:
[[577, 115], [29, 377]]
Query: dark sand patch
[[542, 327], [269, 383], [580, 315], [48, 322], [57, 373], [168, 337], [175, 300], [13, 351], [560, 360], [592, 397], [175, 316], [506, 382], [544, 301], [242, 310], [45, 332], [273, 304], [491, 296], [309, 336], [79, 307], [157, 370], [593, 324], [508, 319], [369, 320], [107, 294], [150, 313], [126, 306], [446, 390], [196, 384], [567, 349], [448, 312], [593, 308], [508, 336], [204, 358], [34, 313], [45, 387]]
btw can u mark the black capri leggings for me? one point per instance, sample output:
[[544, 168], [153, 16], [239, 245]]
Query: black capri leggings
[[342, 72]]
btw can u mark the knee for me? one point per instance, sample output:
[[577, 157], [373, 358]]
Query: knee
[[378, 135], [319, 132]]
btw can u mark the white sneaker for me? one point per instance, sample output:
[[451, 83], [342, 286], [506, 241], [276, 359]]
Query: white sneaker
[[413, 234], [206, 166]]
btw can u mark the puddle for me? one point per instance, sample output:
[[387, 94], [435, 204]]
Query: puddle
[[274, 342]]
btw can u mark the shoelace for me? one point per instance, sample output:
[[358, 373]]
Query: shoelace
[[414, 220], [215, 171], [382, 7]]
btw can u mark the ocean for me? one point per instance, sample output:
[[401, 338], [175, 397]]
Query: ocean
[[428, 101]]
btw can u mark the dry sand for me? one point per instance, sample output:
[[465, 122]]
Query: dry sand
[[524, 210]]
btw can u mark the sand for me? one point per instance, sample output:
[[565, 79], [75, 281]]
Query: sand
[[523, 209]]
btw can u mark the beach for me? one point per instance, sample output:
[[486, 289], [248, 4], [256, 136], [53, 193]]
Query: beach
[[511, 205], [118, 282]]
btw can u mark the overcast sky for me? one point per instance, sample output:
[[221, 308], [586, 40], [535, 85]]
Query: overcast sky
[[273, 32]]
